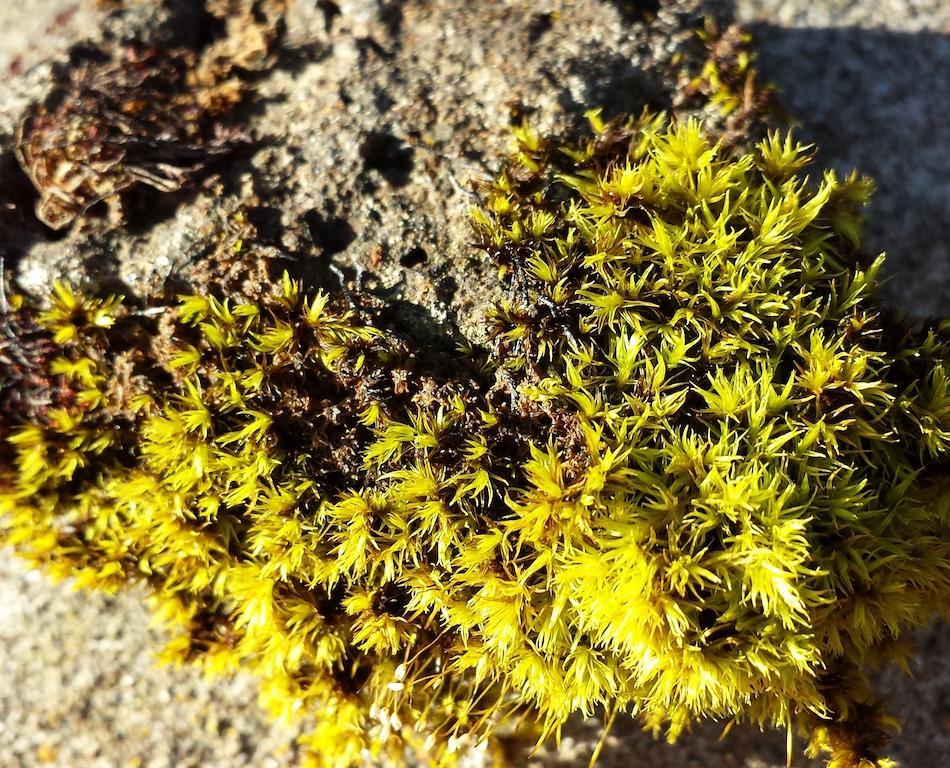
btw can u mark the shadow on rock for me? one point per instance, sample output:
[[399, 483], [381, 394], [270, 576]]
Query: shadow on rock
[[877, 100], [19, 227]]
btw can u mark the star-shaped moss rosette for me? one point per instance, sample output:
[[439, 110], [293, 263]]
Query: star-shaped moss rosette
[[695, 476]]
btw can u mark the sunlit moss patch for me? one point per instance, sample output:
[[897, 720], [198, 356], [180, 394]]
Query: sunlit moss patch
[[695, 475]]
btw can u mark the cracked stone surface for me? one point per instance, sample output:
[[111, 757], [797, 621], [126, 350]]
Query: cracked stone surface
[[375, 121]]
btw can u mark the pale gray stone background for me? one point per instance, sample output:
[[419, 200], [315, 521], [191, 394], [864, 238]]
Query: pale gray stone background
[[869, 82]]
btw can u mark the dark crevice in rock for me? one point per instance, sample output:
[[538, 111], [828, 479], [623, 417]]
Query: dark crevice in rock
[[332, 235], [389, 155], [539, 26], [414, 257], [638, 10], [330, 11]]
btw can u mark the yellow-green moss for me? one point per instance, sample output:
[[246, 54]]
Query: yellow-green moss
[[696, 476]]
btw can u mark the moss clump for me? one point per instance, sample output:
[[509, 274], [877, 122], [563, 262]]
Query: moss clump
[[695, 475], [725, 87]]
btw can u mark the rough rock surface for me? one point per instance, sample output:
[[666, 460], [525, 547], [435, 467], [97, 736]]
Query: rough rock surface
[[375, 120]]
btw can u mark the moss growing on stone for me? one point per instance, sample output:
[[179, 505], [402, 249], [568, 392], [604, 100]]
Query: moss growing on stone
[[694, 476]]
